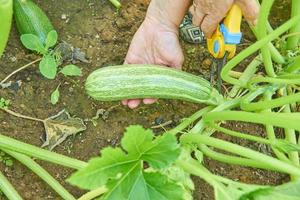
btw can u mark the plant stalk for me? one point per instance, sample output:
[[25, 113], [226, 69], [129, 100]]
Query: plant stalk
[[42, 173], [8, 189], [7, 143], [253, 48], [292, 42], [243, 151]]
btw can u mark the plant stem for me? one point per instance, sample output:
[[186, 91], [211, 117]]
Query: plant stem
[[198, 128], [20, 69], [292, 42], [278, 80], [221, 157], [241, 135], [290, 135], [266, 104], [21, 116], [271, 133], [262, 32], [240, 150], [284, 120], [93, 194], [275, 54], [116, 3], [42, 173], [187, 121], [7, 143], [246, 76], [193, 167], [253, 48], [8, 189]]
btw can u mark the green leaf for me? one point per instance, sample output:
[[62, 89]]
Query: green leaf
[[142, 185], [123, 173], [159, 188], [288, 191], [158, 153], [33, 42], [71, 70], [51, 39], [99, 170], [48, 67], [55, 96]]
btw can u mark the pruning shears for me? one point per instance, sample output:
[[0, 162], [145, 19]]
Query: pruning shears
[[222, 44]]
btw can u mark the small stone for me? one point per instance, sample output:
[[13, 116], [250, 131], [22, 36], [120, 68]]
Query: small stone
[[206, 63], [159, 120], [13, 59], [63, 16]]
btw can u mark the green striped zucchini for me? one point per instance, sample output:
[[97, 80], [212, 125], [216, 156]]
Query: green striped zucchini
[[30, 19], [6, 12], [149, 81]]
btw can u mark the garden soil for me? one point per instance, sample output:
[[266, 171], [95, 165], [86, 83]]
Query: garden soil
[[104, 34]]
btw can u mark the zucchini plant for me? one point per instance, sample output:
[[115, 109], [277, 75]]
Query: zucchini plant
[[146, 166]]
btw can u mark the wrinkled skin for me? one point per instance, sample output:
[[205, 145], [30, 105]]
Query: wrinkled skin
[[156, 40], [209, 13]]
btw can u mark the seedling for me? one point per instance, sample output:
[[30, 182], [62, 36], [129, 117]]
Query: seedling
[[6, 160], [51, 59]]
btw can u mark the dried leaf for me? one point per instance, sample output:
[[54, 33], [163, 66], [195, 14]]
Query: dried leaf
[[59, 127]]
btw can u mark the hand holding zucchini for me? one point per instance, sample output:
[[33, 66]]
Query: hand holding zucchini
[[6, 12], [30, 19], [149, 81]]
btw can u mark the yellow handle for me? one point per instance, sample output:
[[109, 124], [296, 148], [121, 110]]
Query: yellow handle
[[227, 34]]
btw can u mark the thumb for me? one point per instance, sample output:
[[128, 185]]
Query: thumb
[[250, 10]]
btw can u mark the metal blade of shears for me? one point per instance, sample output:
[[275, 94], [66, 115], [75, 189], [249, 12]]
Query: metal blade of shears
[[215, 70], [220, 66]]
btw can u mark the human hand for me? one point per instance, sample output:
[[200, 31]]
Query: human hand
[[207, 14], [154, 43]]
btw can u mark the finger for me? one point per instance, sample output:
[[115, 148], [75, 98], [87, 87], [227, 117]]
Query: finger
[[209, 25], [124, 102], [213, 19], [133, 103], [250, 9], [197, 14], [149, 101]]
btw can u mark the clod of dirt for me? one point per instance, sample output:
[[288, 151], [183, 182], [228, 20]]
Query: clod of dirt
[[15, 86], [67, 52], [59, 127]]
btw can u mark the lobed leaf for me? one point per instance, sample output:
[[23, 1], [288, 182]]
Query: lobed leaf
[[122, 173], [159, 153], [111, 163]]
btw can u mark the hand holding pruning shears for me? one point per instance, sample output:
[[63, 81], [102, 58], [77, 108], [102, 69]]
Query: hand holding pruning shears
[[223, 34]]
